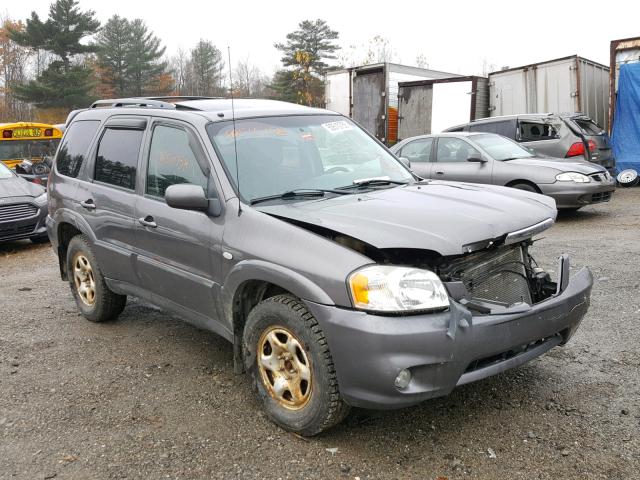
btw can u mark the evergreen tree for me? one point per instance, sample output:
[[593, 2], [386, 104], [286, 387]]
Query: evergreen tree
[[305, 52], [313, 38], [66, 81], [143, 59], [207, 64], [112, 43]]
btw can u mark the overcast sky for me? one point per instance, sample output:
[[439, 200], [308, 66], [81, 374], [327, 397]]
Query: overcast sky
[[453, 36]]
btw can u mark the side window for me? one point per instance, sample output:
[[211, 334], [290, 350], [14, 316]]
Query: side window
[[172, 161], [418, 150], [533, 131], [74, 148], [454, 150], [501, 128], [117, 158]]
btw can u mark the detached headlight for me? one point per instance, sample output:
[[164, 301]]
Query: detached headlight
[[41, 200], [381, 288], [572, 177]]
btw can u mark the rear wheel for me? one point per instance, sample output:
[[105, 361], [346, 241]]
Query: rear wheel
[[94, 299], [291, 365]]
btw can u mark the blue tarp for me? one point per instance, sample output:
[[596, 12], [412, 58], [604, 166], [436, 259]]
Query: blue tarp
[[625, 135]]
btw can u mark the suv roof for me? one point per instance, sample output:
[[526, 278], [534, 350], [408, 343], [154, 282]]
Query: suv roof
[[215, 109]]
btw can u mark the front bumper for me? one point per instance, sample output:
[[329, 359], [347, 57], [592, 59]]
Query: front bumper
[[575, 195], [442, 350], [26, 227]]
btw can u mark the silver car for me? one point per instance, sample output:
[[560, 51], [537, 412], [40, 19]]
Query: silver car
[[494, 159]]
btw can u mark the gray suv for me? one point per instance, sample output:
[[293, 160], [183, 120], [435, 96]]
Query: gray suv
[[560, 135], [340, 278]]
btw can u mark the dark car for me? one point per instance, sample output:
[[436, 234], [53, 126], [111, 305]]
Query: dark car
[[340, 278], [494, 159], [23, 208], [560, 135]]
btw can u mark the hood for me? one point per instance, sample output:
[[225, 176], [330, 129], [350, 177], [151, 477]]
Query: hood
[[438, 216], [19, 187], [561, 164]]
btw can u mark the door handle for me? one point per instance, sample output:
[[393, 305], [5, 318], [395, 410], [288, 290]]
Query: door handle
[[88, 204], [147, 222], [439, 173]]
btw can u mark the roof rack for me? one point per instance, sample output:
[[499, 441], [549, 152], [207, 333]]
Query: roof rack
[[132, 102], [183, 98]]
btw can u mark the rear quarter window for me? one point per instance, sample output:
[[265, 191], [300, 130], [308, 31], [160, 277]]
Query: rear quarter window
[[73, 150]]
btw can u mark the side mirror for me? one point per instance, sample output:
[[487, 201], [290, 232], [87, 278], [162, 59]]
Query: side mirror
[[476, 160], [186, 196], [405, 161]]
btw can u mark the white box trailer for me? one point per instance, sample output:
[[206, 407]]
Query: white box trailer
[[430, 106], [564, 85], [369, 95]]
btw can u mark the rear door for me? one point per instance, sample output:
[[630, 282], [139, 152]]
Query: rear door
[[418, 152], [107, 201], [451, 162], [178, 250]]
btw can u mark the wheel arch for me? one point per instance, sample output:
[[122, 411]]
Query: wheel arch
[[513, 183], [253, 281], [67, 226]]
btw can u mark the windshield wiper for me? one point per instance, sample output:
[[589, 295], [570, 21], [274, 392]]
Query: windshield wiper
[[298, 193], [365, 182]]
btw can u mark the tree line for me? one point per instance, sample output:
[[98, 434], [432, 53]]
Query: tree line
[[70, 59]]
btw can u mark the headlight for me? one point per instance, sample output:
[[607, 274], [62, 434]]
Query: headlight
[[381, 288], [572, 177], [41, 200]]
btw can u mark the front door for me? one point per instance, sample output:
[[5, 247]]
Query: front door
[[451, 162], [179, 250]]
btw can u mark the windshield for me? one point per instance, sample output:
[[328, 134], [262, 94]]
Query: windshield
[[31, 149], [501, 148], [281, 154], [4, 171]]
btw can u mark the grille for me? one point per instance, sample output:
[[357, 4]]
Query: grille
[[17, 211], [11, 230], [601, 197], [498, 276]]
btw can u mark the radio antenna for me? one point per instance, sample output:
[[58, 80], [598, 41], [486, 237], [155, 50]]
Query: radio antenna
[[233, 121]]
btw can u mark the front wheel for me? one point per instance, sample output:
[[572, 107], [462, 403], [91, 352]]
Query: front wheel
[[289, 359]]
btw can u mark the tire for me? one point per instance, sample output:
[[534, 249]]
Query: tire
[[569, 210], [319, 406], [525, 186], [40, 239], [102, 304]]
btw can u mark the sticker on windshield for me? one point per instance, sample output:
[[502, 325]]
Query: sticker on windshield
[[337, 127]]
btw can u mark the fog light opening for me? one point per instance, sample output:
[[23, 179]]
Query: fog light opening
[[403, 379]]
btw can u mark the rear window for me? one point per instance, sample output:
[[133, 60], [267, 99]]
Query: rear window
[[74, 147], [588, 126], [117, 159]]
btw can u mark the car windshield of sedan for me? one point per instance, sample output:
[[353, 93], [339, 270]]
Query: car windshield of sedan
[[304, 152], [501, 148], [4, 171]]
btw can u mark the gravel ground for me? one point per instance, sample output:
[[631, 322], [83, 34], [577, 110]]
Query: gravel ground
[[148, 396]]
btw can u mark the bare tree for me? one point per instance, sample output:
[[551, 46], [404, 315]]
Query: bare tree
[[421, 61], [181, 70], [248, 80], [14, 65]]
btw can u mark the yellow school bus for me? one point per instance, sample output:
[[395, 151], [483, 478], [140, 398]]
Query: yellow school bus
[[27, 141]]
